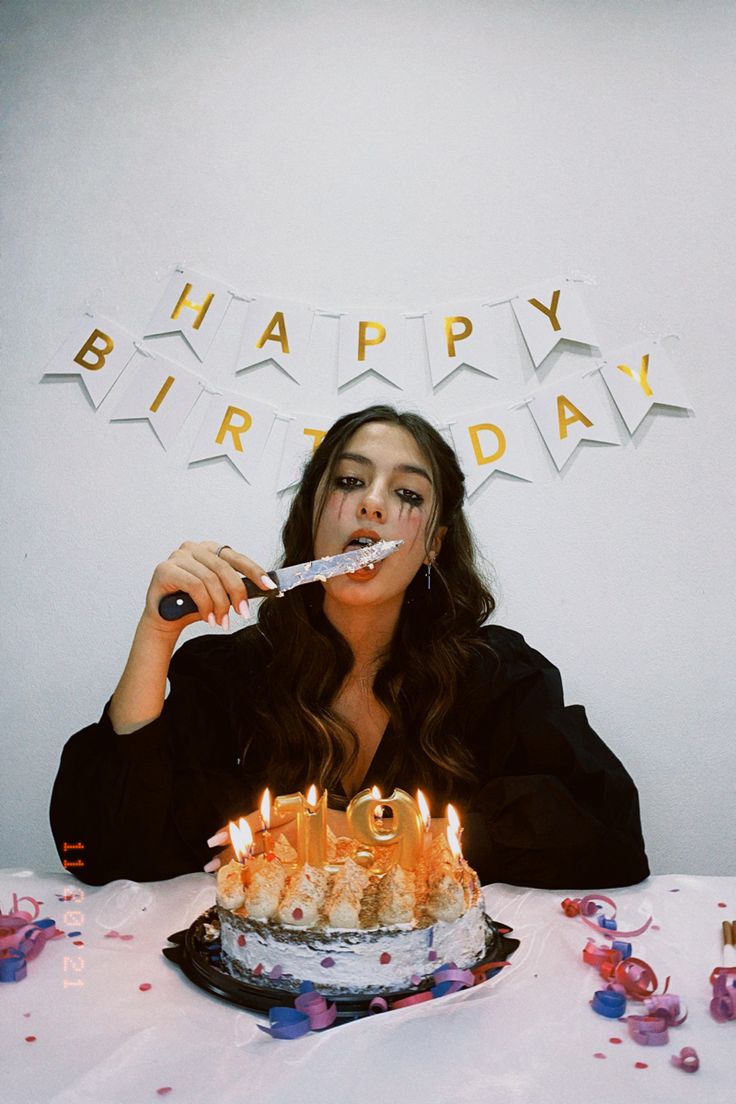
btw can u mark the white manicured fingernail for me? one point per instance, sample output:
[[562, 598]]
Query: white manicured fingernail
[[218, 839], [225, 622], [212, 866], [244, 608], [211, 620], [268, 582]]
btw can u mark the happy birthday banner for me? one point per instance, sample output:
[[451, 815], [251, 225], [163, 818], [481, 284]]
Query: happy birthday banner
[[502, 437]]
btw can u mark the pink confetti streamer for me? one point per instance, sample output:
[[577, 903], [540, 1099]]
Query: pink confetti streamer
[[591, 901], [686, 1060], [648, 1030], [723, 1004]]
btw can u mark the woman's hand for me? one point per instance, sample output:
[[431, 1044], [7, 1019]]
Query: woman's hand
[[213, 582], [336, 819], [279, 826]]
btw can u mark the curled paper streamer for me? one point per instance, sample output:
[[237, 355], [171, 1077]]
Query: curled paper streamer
[[648, 1030], [636, 978], [12, 965], [609, 1003], [450, 979], [686, 1060], [311, 1012], [666, 1005], [723, 1004], [21, 940], [605, 924]]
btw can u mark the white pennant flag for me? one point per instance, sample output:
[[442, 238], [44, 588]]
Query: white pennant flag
[[549, 312], [97, 350], [640, 376], [192, 305], [569, 412], [461, 335], [371, 341], [160, 392], [277, 330], [303, 436], [493, 439], [237, 427]]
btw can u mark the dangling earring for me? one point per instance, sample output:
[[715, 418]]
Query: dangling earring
[[429, 575]]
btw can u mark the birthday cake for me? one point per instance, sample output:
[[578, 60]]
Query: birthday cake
[[346, 928]]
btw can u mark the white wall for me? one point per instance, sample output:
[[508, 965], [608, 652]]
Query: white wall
[[390, 154]]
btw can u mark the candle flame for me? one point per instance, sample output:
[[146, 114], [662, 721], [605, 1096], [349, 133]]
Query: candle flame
[[453, 819], [424, 810], [312, 795], [454, 843], [241, 838], [266, 809], [378, 809]]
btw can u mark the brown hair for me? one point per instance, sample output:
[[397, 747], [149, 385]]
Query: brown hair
[[435, 641]]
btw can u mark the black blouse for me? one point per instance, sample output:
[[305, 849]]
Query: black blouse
[[551, 805]]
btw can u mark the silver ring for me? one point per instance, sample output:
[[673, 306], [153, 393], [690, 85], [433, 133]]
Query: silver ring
[[222, 549]]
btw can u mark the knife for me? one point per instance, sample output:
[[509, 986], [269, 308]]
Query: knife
[[173, 606]]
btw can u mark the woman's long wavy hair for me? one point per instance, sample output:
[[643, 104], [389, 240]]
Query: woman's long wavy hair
[[421, 671]]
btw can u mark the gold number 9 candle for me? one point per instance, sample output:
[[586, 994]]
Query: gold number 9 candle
[[406, 824]]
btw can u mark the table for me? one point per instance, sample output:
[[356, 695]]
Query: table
[[528, 1034]]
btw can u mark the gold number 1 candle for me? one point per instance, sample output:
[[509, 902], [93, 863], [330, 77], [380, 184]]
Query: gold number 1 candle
[[406, 824], [311, 824]]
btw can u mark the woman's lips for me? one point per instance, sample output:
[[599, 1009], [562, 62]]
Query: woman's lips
[[366, 573]]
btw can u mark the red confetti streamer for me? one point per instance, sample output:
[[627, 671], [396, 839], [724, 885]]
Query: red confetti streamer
[[641, 1065], [385, 958], [164, 1090], [637, 978], [30, 1038], [598, 1054], [144, 986]]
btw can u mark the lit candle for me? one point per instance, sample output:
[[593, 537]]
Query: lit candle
[[454, 833], [241, 838], [266, 822], [406, 825], [424, 812], [311, 824], [378, 811]]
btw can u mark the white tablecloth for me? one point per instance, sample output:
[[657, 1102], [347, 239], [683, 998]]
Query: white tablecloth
[[529, 1034]]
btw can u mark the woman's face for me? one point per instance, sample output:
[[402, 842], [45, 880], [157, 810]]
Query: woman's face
[[381, 489]]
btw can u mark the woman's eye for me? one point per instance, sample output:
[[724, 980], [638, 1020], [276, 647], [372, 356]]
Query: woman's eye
[[348, 482], [412, 497]]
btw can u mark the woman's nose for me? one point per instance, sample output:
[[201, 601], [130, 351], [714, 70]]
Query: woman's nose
[[373, 505]]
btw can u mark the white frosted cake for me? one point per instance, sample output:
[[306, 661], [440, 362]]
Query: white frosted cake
[[345, 929]]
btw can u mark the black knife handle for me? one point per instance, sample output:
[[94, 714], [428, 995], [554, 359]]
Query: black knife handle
[[173, 606]]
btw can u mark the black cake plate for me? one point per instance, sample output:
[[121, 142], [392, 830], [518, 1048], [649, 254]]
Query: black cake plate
[[198, 956]]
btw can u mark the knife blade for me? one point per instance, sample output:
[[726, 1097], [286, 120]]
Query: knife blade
[[173, 606]]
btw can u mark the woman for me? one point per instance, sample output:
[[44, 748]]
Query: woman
[[386, 677]]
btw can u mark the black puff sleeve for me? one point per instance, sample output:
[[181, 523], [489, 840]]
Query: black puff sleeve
[[143, 805], [555, 807]]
